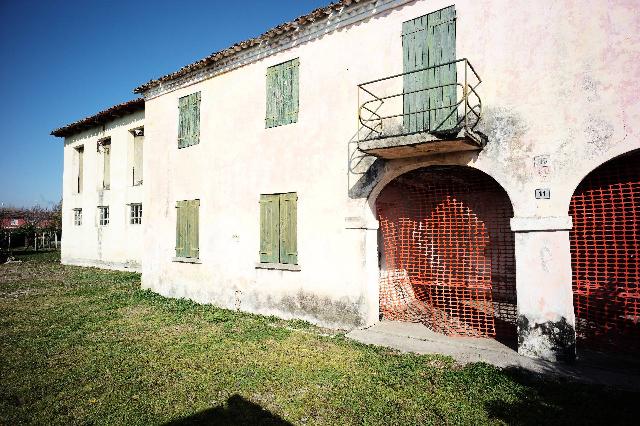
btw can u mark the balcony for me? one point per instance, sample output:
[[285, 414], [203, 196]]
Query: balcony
[[421, 112]]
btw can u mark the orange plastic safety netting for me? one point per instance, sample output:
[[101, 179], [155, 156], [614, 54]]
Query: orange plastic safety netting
[[605, 256], [448, 253]]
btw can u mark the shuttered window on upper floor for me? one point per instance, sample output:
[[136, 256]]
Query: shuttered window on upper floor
[[136, 167], [282, 94], [79, 175], [104, 148], [189, 120], [187, 229], [279, 228]]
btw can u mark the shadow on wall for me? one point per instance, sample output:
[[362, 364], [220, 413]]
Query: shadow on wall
[[236, 411]]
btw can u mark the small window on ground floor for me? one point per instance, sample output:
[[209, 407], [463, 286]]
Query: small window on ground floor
[[77, 217], [135, 214], [187, 229], [103, 211], [279, 228]]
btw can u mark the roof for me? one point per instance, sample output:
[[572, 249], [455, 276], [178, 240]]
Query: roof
[[100, 118], [285, 28]]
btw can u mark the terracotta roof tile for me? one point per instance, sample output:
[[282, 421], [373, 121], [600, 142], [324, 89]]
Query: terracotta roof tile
[[286, 27], [100, 118]]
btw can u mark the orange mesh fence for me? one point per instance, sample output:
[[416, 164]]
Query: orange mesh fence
[[448, 253], [605, 256]]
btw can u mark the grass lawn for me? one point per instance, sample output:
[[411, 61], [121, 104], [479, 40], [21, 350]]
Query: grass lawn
[[85, 346]]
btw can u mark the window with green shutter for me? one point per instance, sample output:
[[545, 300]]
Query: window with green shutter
[[282, 94], [189, 120], [104, 148], [187, 229], [278, 228]]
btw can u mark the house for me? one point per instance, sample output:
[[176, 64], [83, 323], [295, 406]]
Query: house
[[468, 165], [102, 188], [12, 223]]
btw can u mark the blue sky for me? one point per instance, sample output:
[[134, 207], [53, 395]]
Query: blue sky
[[61, 60]]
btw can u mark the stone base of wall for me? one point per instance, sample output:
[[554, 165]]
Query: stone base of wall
[[93, 263]]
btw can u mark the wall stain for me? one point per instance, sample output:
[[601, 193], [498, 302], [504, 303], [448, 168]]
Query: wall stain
[[551, 340], [598, 133], [343, 312]]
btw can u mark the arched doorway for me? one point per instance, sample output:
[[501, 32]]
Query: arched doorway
[[447, 253], [605, 256]]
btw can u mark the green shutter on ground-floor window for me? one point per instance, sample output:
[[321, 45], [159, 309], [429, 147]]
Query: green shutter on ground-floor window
[[187, 228], [279, 228], [194, 229], [180, 224], [269, 228], [282, 94], [288, 228]]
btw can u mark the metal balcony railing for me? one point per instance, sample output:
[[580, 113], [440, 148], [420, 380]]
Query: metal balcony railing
[[441, 100]]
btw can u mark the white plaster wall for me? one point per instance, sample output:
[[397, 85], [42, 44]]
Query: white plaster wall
[[119, 244], [559, 79]]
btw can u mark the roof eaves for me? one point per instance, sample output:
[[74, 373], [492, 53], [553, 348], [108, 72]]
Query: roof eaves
[[100, 118], [277, 31]]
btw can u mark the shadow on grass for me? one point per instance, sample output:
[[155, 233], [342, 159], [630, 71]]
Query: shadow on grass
[[236, 411], [561, 401]]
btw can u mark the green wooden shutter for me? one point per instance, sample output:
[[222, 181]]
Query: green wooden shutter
[[270, 118], [269, 228], [189, 120], [442, 26], [428, 41], [194, 229], [80, 168], [195, 118], [106, 172], [293, 73], [137, 159], [415, 57], [180, 226], [182, 121], [188, 229], [282, 94], [288, 228]]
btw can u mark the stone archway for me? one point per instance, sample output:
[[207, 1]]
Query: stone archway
[[448, 253]]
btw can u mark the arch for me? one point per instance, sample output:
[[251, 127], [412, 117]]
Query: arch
[[589, 168], [448, 252], [605, 256], [398, 168]]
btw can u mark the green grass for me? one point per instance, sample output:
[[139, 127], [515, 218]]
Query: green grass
[[85, 346]]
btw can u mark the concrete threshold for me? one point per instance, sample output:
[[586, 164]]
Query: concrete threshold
[[416, 338]]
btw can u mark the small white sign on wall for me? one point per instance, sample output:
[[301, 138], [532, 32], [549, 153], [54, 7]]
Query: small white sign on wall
[[543, 194]]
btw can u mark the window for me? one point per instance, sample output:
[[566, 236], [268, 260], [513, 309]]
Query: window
[[278, 228], [79, 158], [282, 94], [77, 217], [136, 166], [14, 222], [104, 147], [135, 214], [104, 215], [189, 120], [187, 229]]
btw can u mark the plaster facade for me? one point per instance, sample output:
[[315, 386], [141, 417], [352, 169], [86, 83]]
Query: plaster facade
[[117, 245], [559, 93]]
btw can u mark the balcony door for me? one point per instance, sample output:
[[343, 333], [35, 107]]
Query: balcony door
[[430, 95]]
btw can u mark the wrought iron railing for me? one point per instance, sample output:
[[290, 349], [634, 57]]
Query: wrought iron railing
[[441, 100]]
